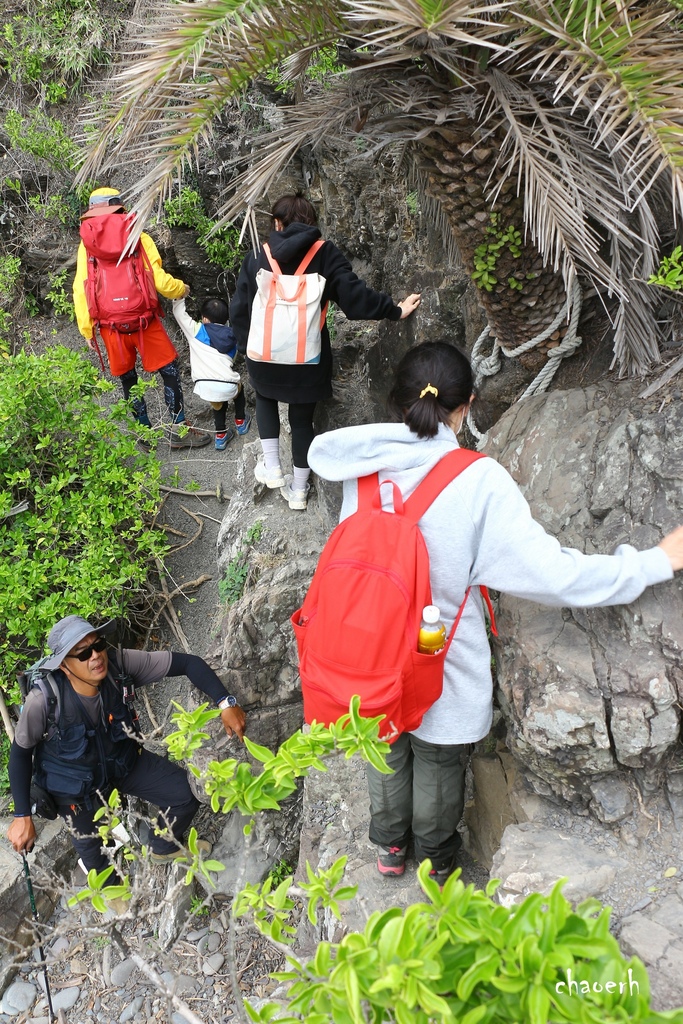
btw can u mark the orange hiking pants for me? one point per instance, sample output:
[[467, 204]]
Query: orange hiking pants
[[152, 342]]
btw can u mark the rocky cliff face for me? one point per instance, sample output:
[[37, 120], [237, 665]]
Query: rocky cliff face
[[592, 697]]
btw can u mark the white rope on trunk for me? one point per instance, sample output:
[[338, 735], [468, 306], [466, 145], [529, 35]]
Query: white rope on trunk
[[487, 366]]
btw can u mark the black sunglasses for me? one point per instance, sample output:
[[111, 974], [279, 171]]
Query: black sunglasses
[[86, 653]]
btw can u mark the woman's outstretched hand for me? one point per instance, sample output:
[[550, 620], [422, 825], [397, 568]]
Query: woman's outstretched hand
[[672, 546], [409, 305]]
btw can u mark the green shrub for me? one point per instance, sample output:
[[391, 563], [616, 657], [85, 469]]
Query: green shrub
[[222, 247], [47, 44], [10, 270], [456, 958], [322, 67], [460, 957], [4, 760], [61, 303], [83, 545], [5, 332], [231, 586], [43, 137], [670, 272]]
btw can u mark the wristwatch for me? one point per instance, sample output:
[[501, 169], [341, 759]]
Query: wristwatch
[[227, 702]]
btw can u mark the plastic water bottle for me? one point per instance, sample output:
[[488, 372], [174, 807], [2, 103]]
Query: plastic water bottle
[[432, 635]]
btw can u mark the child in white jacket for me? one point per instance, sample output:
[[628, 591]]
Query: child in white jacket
[[212, 350]]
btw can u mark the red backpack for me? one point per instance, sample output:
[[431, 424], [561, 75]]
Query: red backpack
[[119, 290], [357, 629]]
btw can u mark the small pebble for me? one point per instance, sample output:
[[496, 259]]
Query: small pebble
[[640, 905], [196, 935], [18, 997], [106, 965], [65, 998], [129, 1012], [180, 983], [122, 972], [59, 945], [213, 963]]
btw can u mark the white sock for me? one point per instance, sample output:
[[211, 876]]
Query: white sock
[[271, 452], [300, 478]]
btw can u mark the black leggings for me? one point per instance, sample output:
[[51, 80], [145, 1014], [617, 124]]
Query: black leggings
[[173, 392], [300, 420], [219, 414]]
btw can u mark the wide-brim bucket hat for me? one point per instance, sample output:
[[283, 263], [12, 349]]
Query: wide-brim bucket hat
[[66, 633], [100, 202]]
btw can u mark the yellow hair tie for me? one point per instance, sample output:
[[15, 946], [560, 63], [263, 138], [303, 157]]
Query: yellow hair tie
[[432, 389]]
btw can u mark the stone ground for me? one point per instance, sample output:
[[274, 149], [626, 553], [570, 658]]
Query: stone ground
[[92, 982]]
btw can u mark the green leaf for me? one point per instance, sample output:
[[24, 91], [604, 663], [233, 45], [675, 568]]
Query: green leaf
[[481, 971], [260, 753]]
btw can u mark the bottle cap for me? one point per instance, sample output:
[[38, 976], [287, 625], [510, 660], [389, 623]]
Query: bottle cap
[[431, 614]]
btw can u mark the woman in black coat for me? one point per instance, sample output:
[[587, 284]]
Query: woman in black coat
[[300, 386]]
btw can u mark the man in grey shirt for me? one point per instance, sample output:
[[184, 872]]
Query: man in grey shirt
[[87, 748]]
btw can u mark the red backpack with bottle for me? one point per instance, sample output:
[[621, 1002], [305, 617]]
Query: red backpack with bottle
[[119, 290], [357, 629]]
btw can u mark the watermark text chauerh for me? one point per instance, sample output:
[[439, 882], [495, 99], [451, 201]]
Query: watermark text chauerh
[[576, 986]]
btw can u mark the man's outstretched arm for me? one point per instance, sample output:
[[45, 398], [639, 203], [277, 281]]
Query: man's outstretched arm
[[22, 832]]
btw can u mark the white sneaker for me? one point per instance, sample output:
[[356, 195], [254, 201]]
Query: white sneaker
[[296, 499], [270, 477]]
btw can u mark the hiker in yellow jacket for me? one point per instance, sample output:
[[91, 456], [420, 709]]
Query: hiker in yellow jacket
[[150, 339]]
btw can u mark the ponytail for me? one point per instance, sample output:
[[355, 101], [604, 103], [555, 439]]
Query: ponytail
[[430, 382]]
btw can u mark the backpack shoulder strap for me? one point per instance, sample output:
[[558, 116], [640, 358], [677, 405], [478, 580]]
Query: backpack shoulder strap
[[316, 247], [274, 265], [445, 471], [367, 487], [47, 684]]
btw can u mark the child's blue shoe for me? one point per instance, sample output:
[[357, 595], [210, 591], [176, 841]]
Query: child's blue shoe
[[224, 439], [243, 426]]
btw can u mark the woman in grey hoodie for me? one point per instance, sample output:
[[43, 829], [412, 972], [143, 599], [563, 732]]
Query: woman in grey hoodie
[[479, 532]]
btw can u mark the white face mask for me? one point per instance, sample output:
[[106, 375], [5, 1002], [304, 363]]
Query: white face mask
[[457, 426]]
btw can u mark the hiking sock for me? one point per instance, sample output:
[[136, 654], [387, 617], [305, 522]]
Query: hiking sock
[[300, 482], [271, 452]]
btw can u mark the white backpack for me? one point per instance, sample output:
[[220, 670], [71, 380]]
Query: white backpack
[[287, 315]]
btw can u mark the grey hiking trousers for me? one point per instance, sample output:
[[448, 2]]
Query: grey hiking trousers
[[424, 797]]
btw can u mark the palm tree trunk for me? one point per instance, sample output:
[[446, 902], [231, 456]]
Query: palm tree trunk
[[460, 173]]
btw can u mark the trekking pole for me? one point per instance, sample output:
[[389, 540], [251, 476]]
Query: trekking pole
[[32, 901]]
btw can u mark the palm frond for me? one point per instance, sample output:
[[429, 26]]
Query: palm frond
[[583, 98], [397, 24], [186, 73], [578, 195], [619, 65]]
